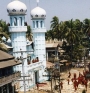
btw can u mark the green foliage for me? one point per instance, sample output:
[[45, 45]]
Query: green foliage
[[3, 32], [75, 32], [84, 91], [29, 33]]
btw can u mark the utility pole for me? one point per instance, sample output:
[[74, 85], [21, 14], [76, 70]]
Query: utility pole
[[23, 71], [84, 50]]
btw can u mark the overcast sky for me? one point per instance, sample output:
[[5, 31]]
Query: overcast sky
[[64, 9]]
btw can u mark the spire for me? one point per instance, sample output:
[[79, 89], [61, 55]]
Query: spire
[[37, 2]]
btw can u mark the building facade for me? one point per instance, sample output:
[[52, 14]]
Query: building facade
[[33, 54], [8, 73]]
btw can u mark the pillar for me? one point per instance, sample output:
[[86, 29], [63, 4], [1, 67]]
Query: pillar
[[7, 88], [2, 89]]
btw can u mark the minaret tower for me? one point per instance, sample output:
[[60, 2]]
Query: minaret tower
[[38, 16], [16, 10]]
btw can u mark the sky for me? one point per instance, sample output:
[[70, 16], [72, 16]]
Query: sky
[[63, 9]]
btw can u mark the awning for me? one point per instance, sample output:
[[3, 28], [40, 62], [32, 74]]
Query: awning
[[9, 63], [63, 61]]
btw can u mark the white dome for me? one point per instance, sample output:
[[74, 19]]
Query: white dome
[[38, 13], [9, 40], [16, 7], [3, 38]]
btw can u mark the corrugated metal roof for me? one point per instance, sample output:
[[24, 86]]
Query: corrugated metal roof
[[50, 45], [4, 55], [9, 63], [7, 60]]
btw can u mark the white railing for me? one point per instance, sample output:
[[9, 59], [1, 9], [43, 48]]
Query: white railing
[[17, 28], [35, 65], [39, 30]]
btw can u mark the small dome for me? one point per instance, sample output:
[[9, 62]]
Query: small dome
[[9, 40], [16, 7], [3, 38], [38, 13]]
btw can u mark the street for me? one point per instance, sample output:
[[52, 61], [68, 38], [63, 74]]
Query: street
[[66, 87]]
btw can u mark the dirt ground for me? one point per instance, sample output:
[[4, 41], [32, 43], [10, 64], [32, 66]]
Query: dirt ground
[[66, 88]]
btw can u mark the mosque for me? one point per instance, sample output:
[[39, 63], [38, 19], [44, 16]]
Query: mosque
[[31, 54]]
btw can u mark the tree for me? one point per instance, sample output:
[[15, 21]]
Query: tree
[[86, 27], [3, 32], [49, 35], [55, 27], [29, 33], [72, 33]]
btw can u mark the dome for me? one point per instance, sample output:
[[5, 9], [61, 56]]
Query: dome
[[38, 13], [16, 7], [3, 38], [9, 40]]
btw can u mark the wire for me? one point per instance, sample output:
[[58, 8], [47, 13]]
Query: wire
[[29, 10]]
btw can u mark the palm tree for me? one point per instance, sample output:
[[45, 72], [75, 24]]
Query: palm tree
[[49, 35], [71, 33], [86, 26], [3, 32], [55, 27], [29, 33]]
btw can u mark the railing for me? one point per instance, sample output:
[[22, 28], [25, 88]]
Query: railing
[[35, 65], [39, 30], [10, 78], [17, 28]]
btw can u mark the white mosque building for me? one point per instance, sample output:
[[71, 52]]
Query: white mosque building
[[34, 54]]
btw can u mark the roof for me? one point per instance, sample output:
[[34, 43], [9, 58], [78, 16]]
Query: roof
[[7, 60], [38, 12], [6, 45], [5, 55], [61, 51], [49, 64], [16, 7], [63, 61], [50, 45], [9, 63], [53, 44]]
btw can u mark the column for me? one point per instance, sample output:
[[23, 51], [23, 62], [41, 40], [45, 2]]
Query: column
[[12, 87], [7, 88], [12, 21], [47, 56], [2, 89], [39, 26]]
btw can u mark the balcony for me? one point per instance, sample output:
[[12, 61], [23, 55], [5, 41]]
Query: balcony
[[17, 28], [7, 79], [35, 65], [35, 30]]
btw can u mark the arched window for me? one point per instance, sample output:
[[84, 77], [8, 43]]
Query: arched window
[[11, 21], [15, 21], [33, 24], [41, 24], [20, 21], [37, 24]]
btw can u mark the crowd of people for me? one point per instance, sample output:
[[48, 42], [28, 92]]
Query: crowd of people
[[77, 79]]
